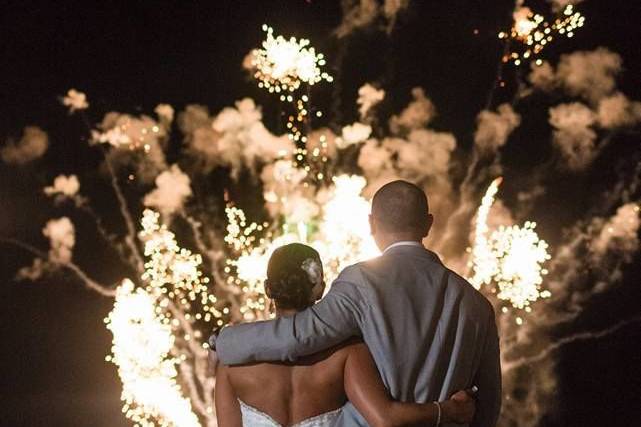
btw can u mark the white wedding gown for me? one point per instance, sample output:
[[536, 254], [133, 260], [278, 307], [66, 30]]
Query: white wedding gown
[[252, 417]]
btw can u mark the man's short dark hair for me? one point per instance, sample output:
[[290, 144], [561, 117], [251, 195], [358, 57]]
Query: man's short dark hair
[[399, 207]]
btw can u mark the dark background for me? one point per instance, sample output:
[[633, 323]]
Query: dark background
[[130, 56]]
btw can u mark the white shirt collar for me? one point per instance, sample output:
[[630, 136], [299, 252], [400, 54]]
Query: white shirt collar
[[403, 243]]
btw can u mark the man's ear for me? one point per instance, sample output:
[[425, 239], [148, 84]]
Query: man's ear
[[319, 290], [372, 225], [268, 290], [428, 224]]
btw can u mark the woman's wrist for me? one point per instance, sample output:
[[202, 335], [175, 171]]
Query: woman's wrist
[[439, 414]]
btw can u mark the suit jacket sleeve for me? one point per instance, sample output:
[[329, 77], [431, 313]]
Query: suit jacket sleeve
[[488, 379], [331, 321]]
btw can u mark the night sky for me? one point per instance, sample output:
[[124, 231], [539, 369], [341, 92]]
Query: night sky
[[130, 56]]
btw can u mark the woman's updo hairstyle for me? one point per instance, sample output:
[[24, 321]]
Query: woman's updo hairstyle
[[294, 276]]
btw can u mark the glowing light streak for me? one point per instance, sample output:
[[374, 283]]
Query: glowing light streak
[[173, 270], [510, 258], [141, 349], [146, 322], [482, 262]]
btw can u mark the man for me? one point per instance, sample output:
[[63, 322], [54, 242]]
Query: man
[[429, 331]]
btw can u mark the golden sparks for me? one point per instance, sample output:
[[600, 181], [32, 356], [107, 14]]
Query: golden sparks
[[155, 331], [510, 258], [531, 33]]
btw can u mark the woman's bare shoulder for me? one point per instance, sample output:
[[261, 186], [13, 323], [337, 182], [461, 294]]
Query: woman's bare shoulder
[[351, 346]]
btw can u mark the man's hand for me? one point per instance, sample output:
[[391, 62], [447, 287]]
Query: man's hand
[[460, 408]]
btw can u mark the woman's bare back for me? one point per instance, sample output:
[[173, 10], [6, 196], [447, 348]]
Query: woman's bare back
[[293, 393], [320, 384]]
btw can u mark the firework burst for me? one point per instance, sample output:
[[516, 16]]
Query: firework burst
[[510, 259], [155, 334], [531, 32], [142, 344], [282, 65]]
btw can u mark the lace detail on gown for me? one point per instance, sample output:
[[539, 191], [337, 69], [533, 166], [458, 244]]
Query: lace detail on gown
[[252, 417]]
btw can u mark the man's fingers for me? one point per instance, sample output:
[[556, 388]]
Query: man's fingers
[[461, 396]]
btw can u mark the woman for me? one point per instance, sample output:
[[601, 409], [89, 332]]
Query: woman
[[313, 391]]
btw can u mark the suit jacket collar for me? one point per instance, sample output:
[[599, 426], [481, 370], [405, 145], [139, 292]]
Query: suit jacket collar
[[414, 249]]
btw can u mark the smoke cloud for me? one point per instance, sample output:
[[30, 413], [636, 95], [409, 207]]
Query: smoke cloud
[[136, 142], [617, 111], [171, 192], [65, 185], [75, 101], [573, 134], [416, 115], [426, 154], [368, 97], [353, 134], [62, 238], [620, 233], [165, 113], [235, 138], [558, 5], [359, 14], [493, 128], [31, 146], [542, 76], [588, 74]]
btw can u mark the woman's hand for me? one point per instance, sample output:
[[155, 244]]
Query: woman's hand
[[459, 409]]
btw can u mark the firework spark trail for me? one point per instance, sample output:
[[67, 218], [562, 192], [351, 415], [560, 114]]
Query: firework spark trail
[[457, 223], [108, 237], [282, 66], [141, 345], [173, 284], [582, 336], [215, 257], [481, 262], [199, 383], [68, 265], [510, 258], [130, 239]]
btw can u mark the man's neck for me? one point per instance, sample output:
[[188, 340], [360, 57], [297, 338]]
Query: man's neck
[[285, 312], [388, 239], [403, 243]]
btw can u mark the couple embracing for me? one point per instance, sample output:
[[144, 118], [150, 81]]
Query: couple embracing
[[398, 340]]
